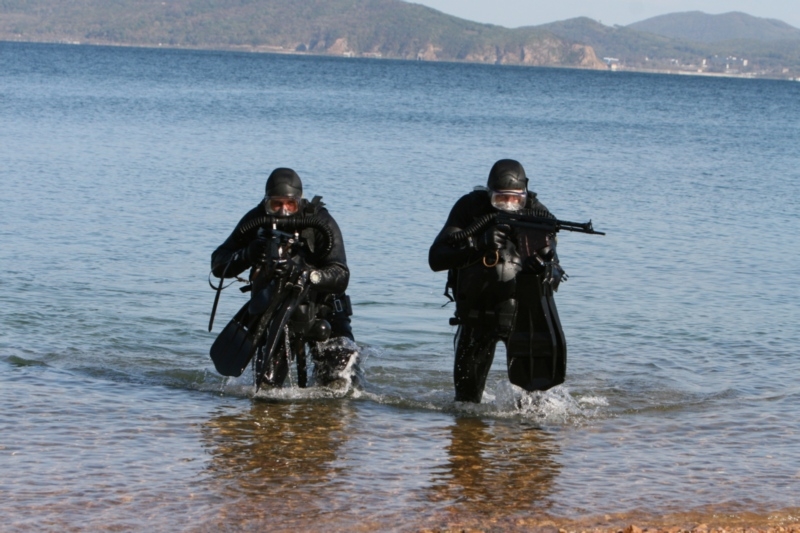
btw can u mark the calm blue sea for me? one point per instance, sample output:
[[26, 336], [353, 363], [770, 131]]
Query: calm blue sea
[[122, 169]]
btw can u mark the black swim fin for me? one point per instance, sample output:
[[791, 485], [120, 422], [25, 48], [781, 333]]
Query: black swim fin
[[561, 342], [234, 346], [536, 349]]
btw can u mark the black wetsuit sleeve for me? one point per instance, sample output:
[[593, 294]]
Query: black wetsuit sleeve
[[443, 255], [230, 257], [335, 275]]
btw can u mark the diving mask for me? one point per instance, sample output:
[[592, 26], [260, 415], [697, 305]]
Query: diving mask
[[282, 206], [508, 201]]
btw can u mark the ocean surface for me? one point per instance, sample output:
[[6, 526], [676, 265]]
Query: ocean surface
[[122, 169]]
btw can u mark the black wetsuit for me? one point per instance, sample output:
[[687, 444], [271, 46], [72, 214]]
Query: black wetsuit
[[230, 259], [475, 343]]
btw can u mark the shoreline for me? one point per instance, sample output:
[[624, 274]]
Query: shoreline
[[279, 50]]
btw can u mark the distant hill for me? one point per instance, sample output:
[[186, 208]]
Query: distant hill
[[630, 47], [701, 27], [375, 28], [730, 44], [622, 42]]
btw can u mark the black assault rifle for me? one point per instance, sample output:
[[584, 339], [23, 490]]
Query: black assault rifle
[[545, 223], [521, 220]]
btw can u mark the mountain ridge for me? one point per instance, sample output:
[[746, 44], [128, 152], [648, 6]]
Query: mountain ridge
[[372, 28], [402, 30], [701, 27], [630, 48]]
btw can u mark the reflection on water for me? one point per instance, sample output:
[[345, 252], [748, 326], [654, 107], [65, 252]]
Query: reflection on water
[[300, 464], [496, 468], [274, 462]]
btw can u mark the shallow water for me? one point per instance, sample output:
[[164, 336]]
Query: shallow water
[[122, 169]]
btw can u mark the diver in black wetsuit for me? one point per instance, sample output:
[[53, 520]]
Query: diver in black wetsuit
[[329, 275], [503, 280]]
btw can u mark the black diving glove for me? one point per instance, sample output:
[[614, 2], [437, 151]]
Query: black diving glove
[[536, 264], [494, 238], [257, 251]]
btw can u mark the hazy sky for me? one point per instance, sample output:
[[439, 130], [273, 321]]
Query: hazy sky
[[515, 13]]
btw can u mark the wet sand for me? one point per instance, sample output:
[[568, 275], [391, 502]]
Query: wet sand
[[787, 521], [550, 527]]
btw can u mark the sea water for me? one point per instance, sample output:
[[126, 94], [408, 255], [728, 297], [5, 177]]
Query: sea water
[[122, 169]]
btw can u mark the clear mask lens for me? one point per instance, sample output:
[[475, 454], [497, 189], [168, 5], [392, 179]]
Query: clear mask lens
[[509, 200], [282, 205]]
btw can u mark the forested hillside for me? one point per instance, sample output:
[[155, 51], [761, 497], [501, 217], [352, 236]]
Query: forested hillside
[[629, 47], [729, 44], [700, 27], [377, 28]]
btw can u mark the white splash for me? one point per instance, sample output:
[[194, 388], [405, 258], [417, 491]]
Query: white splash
[[554, 406]]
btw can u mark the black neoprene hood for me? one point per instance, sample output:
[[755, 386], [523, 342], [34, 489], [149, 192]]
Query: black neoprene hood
[[284, 182], [507, 175]]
